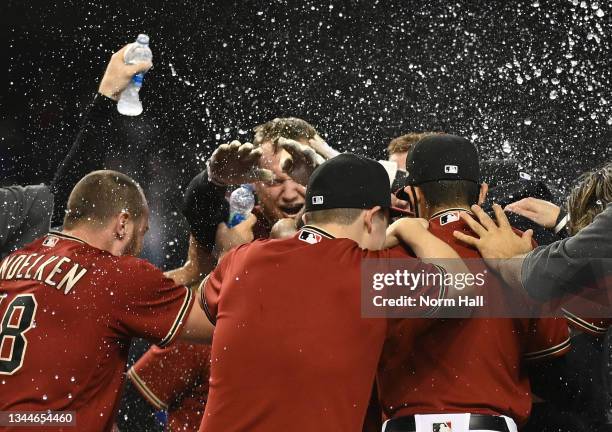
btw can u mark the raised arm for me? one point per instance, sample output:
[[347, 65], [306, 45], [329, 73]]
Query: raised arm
[[97, 133]]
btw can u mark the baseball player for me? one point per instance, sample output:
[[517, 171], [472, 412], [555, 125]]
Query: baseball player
[[182, 390], [71, 301], [291, 351], [182, 393], [459, 374]]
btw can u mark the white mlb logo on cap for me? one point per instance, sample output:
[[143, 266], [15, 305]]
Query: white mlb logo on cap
[[451, 169], [317, 199]]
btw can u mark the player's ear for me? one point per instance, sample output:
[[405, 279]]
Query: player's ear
[[419, 194], [368, 217], [121, 222], [482, 196], [419, 204]]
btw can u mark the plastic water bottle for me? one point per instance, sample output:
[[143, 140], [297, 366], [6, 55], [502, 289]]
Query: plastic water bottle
[[129, 102], [242, 201]]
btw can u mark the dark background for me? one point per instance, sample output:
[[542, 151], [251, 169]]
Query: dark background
[[528, 80]]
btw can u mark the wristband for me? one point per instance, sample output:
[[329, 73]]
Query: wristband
[[562, 221]]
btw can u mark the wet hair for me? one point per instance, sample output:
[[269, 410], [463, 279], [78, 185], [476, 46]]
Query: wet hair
[[403, 144], [340, 216], [288, 127], [450, 193], [100, 195], [589, 197]]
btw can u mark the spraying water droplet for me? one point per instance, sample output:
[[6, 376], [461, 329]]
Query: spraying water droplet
[[506, 147]]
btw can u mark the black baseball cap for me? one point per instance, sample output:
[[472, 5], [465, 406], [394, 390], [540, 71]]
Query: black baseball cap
[[348, 181], [442, 157]]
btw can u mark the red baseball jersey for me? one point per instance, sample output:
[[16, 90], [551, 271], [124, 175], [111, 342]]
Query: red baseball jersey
[[464, 365], [181, 390], [290, 350], [175, 379], [68, 312]]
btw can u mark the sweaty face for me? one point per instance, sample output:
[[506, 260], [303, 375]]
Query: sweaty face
[[284, 198]]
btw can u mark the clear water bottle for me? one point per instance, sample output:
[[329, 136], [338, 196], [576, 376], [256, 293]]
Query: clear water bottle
[[242, 201], [129, 102]]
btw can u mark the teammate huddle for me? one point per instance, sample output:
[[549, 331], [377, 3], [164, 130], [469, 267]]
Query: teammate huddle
[[290, 350]]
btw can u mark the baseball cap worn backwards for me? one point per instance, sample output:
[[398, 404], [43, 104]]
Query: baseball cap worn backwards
[[348, 181], [442, 157]]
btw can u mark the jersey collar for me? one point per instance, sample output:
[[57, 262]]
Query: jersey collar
[[66, 236]]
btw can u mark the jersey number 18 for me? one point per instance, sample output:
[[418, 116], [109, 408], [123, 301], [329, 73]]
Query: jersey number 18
[[16, 321]]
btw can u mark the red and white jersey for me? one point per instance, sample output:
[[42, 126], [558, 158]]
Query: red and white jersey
[[181, 389], [68, 311], [291, 350], [464, 365], [175, 379]]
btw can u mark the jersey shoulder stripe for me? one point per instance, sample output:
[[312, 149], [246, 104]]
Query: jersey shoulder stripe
[[554, 351], [204, 304], [180, 318], [583, 324], [148, 394]]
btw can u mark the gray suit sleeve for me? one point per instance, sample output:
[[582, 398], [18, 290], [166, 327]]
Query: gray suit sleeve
[[566, 265], [25, 216]]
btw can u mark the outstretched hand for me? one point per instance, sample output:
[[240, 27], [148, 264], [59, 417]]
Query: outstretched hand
[[304, 159], [495, 240], [236, 163], [542, 212], [322, 148], [118, 74]]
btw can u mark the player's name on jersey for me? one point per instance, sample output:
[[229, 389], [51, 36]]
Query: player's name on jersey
[[428, 302], [55, 271]]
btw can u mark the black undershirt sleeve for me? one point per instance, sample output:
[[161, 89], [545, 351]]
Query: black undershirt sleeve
[[95, 137]]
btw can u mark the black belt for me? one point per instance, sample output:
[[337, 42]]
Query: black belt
[[477, 422]]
